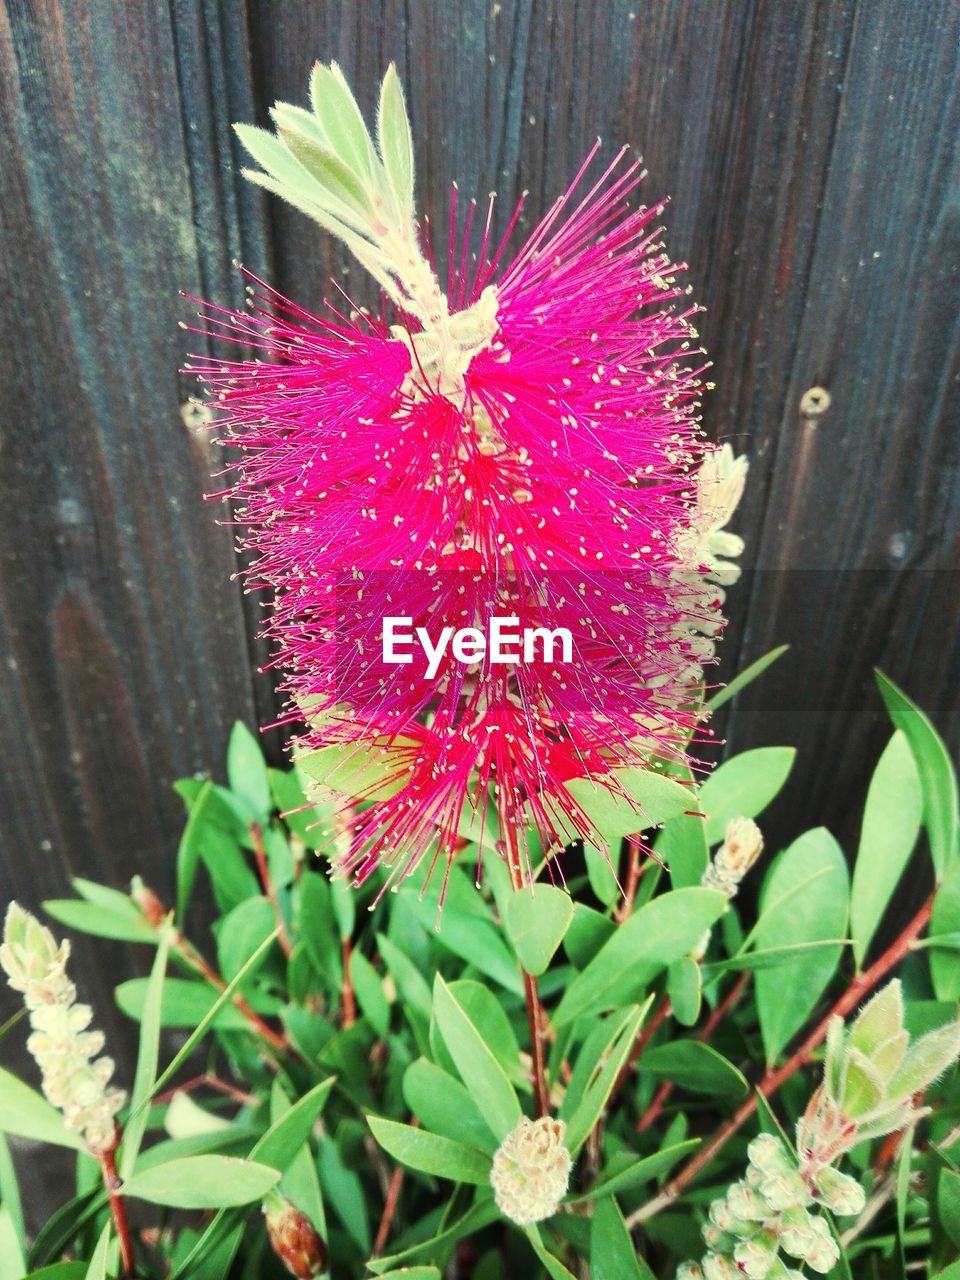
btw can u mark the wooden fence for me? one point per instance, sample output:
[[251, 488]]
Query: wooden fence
[[812, 152]]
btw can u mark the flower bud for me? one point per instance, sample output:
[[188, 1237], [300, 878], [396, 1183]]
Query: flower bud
[[768, 1154], [689, 1271], [717, 1267], [153, 909], [746, 1203], [755, 1257], [294, 1239], [75, 1079], [531, 1170], [742, 846], [841, 1194]]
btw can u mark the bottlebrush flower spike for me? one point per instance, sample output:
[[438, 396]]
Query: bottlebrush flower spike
[[524, 445]]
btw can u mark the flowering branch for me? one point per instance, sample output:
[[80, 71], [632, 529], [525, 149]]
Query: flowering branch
[[773, 1079]]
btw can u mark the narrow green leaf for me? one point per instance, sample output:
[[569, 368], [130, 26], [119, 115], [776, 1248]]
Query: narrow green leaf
[[555, 1268], [11, 1247], [85, 917], [938, 780], [597, 1092], [411, 984], [247, 770], [477, 1217], [412, 1273], [97, 1270], [369, 991], [24, 1113], [948, 1203], [203, 1026], [340, 118], [891, 824], [444, 1106], [203, 1182], [396, 142], [184, 1002], [651, 939], [536, 920], [478, 1068], [685, 990], [743, 786], [10, 1190], [747, 676], [280, 1144], [374, 772], [819, 913], [147, 1059], [639, 1171], [242, 931], [613, 1255], [945, 921], [430, 1153], [695, 1066]]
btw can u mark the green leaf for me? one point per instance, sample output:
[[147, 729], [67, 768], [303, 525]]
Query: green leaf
[[280, 1144], [651, 939], [61, 1271], [891, 824], [369, 990], [938, 781], [184, 1003], [203, 1025], [27, 1114], [412, 1273], [444, 1106], [601, 873], [241, 933], [411, 984], [147, 1059], [536, 920], [637, 1172], [695, 1066], [115, 917], [685, 989], [203, 1182], [587, 933], [682, 845], [342, 1188], [97, 1270], [489, 1018], [374, 772], [747, 676], [477, 1217], [597, 1092], [613, 1255], [430, 1153], [478, 1068], [743, 786], [336, 109], [555, 1268], [10, 1191], [626, 802], [948, 1203], [11, 1248], [944, 921], [247, 770], [396, 142], [816, 914]]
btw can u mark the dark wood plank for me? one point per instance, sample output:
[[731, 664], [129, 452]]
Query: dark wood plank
[[126, 651]]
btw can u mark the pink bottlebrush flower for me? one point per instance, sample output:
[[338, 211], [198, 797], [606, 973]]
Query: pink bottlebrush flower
[[522, 446]]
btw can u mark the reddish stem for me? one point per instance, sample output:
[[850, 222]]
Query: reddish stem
[[188, 952], [390, 1205], [348, 1015], [538, 1068], [211, 1081], [862, 985], [263, 870], [635, 870], [118, 1206], [652, 1113]]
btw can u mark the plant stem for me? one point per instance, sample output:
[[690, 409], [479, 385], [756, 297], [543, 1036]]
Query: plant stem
[[191, 956], [390, 1205], [652, 1113], [263, 870], [118, 1206], [535, 1014], [348, 1015], [771, 1081]]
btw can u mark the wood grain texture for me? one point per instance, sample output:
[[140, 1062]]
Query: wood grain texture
[[810, 148]]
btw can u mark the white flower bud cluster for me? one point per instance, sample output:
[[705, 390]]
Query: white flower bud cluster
[[531, 1170], [773, 1211], [742, 846], [75, 1080]]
